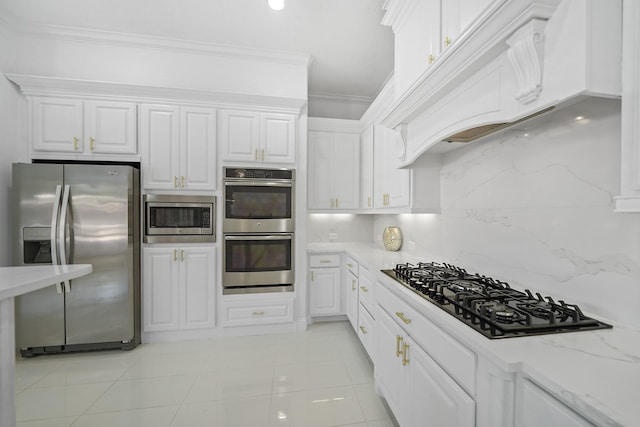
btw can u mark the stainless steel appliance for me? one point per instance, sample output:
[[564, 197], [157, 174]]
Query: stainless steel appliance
[[179, 218], [258, 228], [258, 263], [489, 306], [78, 214], [259, 200]]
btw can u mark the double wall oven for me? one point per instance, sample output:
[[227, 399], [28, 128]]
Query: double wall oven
[[258, 230]]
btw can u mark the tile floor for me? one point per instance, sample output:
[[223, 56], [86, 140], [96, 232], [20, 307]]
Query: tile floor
[[314, 379]]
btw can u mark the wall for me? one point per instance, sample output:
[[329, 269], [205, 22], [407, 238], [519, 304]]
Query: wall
[[347, 227], [534, 207], [13, 145]]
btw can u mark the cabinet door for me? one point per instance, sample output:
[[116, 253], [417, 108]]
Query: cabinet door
[[390, 375], [392, 185], [160, 145], [320, 154], [110, 127], [160, 287], [324, 292], [240, 136], [537, 408], [198, 148], [352, 299], [197, 285], [346, 173], [366, 169], [434, 395], [457, 16], [278, 138], [56, 124]]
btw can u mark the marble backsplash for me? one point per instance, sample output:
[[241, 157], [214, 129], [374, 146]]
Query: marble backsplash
[[534, 207]]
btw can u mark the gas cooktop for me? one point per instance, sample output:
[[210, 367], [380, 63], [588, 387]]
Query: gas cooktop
[[490, 306]]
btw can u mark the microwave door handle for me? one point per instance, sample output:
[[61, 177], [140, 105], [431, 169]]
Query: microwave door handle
[[62, 233], [54, 228]]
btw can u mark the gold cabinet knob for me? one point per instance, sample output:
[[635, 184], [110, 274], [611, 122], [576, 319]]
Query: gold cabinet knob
[[431, 59], [175, 182], [175, 254], [75, 143], [447, 41], [91, 141]]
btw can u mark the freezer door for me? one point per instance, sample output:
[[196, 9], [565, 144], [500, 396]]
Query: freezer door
[[40, 314], [99, 230]]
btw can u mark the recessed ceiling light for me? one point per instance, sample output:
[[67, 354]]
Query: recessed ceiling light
[[579, 117], [277, 4]]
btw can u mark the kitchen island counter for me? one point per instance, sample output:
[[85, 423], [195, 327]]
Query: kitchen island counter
[[595, 373], [15, 281]]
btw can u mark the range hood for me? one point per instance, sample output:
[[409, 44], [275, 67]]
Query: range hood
[[520, 59]]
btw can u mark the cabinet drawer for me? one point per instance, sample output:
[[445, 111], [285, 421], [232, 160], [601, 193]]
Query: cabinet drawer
[[257, 313], [366, 289], [456, 359], [365, 330], [352, 265], [325, 260]]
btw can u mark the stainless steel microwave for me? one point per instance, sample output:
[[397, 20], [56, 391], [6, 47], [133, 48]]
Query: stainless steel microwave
[[179, 219]]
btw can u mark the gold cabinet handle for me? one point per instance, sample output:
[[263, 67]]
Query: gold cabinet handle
[[364, 331], [255, 154], [75, 143], [447, 41], [263, 154], [405, 359], [182, 255], [398, 342], [353, 284], [350, 265], [336, 203], [91, 141], [175, 254], [401, 316], [325, 261], [258, 313], [331, 203], [312, 276], [175, 182], [431, 59], [369, 201], [364, 289], [182, 181]]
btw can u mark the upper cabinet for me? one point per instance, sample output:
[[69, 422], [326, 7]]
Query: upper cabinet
[[87, 127], [629, 200], [258, 137], [334, 164], [178, 147]]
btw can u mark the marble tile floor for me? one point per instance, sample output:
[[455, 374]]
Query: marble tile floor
[[318, 378]]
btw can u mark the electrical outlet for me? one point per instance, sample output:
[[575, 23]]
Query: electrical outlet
[[333, 236]]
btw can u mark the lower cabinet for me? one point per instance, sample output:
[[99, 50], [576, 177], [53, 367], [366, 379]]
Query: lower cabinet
[[324, 285], [258, 309], [178, 288], [351, 288], [537, 408], [417, 389]]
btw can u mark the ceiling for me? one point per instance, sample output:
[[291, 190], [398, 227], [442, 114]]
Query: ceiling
[[351, 52]]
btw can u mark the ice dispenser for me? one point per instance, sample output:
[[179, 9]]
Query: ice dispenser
[[37, 245]]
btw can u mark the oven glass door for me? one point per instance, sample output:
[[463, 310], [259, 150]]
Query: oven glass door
[[258, 260], [252, 207]]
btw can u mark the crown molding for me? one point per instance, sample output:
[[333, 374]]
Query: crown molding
[[85, 35], [342, 98], [61, 87]]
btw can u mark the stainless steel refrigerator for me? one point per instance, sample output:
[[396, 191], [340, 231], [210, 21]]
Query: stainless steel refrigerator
[[78, 214]]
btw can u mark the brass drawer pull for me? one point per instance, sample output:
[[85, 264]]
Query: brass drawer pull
[[401, 316], [258, 313], [405, 360], [364, 331], [398, 341], [364, 289]]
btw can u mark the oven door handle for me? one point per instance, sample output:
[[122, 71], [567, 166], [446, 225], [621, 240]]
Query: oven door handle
[[259, 237], [258, 184]]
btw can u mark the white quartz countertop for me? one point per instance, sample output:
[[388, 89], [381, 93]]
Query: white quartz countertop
[[597, 373], [16, 281]]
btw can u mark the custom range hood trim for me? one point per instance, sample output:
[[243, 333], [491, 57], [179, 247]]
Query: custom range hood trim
[[496, 73]]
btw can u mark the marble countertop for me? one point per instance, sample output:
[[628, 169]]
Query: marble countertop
[[597, 373], [16, 281]]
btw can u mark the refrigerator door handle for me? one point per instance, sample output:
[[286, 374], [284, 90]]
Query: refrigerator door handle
[[62, 233], [54, 229]]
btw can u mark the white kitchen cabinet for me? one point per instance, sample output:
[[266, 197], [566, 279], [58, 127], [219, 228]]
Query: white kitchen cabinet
[[413, 384], [457, 16], [258, 309], [324, 285], [258, 137], [366, 169], [351, 298], [178, 288], [392, 186], [334, 170], [179, 147], [87, 127], [537, 408]]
